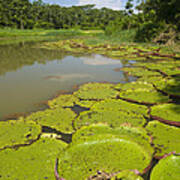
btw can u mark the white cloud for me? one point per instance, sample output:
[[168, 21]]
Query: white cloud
[[99, 60], [113, 4]]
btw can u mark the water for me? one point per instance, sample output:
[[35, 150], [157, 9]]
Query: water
[[29, 75]]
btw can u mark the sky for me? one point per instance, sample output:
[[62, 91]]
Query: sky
[[113, 4]]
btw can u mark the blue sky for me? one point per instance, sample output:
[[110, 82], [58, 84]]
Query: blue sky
[[113, 4]]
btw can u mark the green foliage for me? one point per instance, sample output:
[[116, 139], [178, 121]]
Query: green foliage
[[120, 105], [112, 118], [111, 154], [59, 119], [138, 135], [148, 31], [96, 91], [168, 113], [139, 72], [18, 132], [31, 162], [127, 175], [164, 137], [169, 68], [65, 100], [142, 92], [170, 86], [167, 168]]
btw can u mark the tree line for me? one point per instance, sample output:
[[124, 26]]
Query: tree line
[[23, 14], [149, 18]]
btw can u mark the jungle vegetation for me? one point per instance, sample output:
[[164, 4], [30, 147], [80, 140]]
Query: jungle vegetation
[[149, 20]]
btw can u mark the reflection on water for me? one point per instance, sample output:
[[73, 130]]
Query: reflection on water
[[30, 75]]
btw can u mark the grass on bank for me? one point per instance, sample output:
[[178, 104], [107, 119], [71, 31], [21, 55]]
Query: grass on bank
[[91, 37]]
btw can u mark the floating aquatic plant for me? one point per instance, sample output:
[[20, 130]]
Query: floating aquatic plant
[[114, 154], [96, 91], [18, 132], [167, 168], [65, 100], [142, 92], [139, 72], [170, 86], [31, 162], [127, 175], [120, 105], [164, 137], [59, 119], [112, 118], [86, 103], [138, 135], [167, 113]]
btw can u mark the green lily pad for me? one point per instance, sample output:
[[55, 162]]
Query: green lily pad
[[18, 132], [81, 160], [65, 100], [86, 103], [166, 67], [59, 119], [120, 105], [127, 175], [112, 118], [96, 91], [164, 137], [170, 86], [139, 71], [167, 169], [32, 162], [167, 113], [142, 92], [138, 135]]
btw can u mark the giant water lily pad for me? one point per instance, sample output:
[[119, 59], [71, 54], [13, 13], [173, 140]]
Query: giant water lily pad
[[86, 103], [96, 91], [165, 67], [167, 169], [139, 71], [167, 113], [127, 175], [59, 119], [34, 162], [65, 100], [142, 92], [165, 138], [139, 135], [120, 105], [81, 160], [112, 118], [18, 132], [170, 86]]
